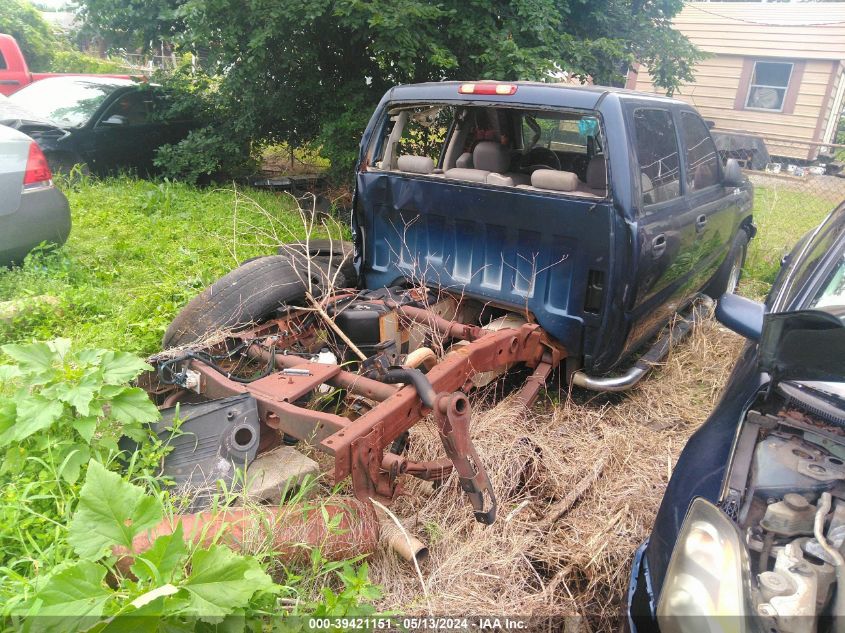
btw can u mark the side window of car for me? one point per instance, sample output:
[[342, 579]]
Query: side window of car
[[133, 108], [702, 157], [3, 65], [657, 155]]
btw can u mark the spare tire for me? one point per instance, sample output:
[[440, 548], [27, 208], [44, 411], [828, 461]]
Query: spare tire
[[332, 257], [249, 294]]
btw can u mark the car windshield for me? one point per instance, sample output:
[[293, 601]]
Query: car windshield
[[66, 102], [832, 294], [833, 290]]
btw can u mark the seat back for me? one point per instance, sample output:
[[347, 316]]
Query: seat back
[[491, 156], [415, 164], [597, 173]]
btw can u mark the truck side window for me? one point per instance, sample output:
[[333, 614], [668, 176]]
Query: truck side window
[[701, 154], [657, 154], [3, 65]]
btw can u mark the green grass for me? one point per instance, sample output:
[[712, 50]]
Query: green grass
[[138, 251], [782, 217]]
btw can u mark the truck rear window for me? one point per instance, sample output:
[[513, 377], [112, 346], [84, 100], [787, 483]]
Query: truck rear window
[[551, 151]]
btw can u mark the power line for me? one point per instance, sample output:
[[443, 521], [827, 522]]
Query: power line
[[738, 19]]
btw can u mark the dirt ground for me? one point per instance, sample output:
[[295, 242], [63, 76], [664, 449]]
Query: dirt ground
[[620, 448]]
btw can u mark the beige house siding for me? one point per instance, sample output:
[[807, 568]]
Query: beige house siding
[[805, 30], [736, 35]]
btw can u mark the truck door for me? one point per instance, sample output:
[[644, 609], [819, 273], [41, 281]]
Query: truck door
[[11, 76], [716, 211], [666, 236]]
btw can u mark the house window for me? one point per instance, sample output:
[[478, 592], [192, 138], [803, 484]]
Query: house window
[[769, 83]]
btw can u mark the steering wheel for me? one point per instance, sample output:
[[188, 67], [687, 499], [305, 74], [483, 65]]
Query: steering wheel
[[540, 158]]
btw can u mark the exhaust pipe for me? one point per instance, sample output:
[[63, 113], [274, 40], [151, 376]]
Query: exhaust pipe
[[408, 547], [658, 352], [291, 531]]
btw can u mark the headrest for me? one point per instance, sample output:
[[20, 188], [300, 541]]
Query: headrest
[[554, 180], [597, 173], [473, 175], [464, 161], [491, 156], [415, 164], [498, 179]]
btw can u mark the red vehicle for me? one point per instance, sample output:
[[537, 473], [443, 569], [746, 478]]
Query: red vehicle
[[14, 72]]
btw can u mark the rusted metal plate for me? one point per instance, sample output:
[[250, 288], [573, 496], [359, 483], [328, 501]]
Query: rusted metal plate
[[289, 385]]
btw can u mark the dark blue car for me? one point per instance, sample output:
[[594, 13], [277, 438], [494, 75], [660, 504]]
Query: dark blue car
[[750, 531]]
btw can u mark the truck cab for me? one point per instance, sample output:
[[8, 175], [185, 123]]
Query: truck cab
[[14, 71], [597, 213]]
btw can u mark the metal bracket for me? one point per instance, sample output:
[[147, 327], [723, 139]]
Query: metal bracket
[[453, 416]]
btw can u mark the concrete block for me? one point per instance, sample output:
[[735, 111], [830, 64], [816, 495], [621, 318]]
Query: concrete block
[[274, 472]]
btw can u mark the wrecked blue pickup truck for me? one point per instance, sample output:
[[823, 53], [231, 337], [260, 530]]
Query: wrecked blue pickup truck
[[596, 213], [499, 228]]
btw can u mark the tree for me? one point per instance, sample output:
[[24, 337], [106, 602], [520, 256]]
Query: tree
[[313, 70], [23, 22], [133, 24]]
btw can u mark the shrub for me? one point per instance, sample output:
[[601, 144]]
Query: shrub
[[62, 412], [68, 61], [59, 408]]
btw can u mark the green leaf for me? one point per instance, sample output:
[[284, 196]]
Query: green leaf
[[110, 512], [32, 358], [90, 356], [14, 460], [133, 405], [121, 367], [79, 397], [8, 372], [72, 594], [85, 427], [77, 456], [222, 581], [163, 559], [60, 346], [8, 417], [35, 413], [151, 617]]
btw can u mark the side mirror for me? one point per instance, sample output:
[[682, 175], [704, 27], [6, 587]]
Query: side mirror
[[115, 119], [732, 174], [743, 316]]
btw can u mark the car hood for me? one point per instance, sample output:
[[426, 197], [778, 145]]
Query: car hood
[[804, 345]]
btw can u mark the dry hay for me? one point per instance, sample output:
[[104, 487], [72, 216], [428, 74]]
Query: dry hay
[[580, 565]]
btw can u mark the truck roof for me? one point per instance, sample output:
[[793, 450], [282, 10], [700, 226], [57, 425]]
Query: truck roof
[[527, 92]]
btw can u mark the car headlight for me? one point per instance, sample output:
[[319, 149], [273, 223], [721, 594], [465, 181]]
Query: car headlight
[[707, 582]]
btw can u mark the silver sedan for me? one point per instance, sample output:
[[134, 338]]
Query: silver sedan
[[32, 209]]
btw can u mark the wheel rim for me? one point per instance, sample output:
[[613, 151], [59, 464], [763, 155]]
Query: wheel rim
[[736, 271]]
